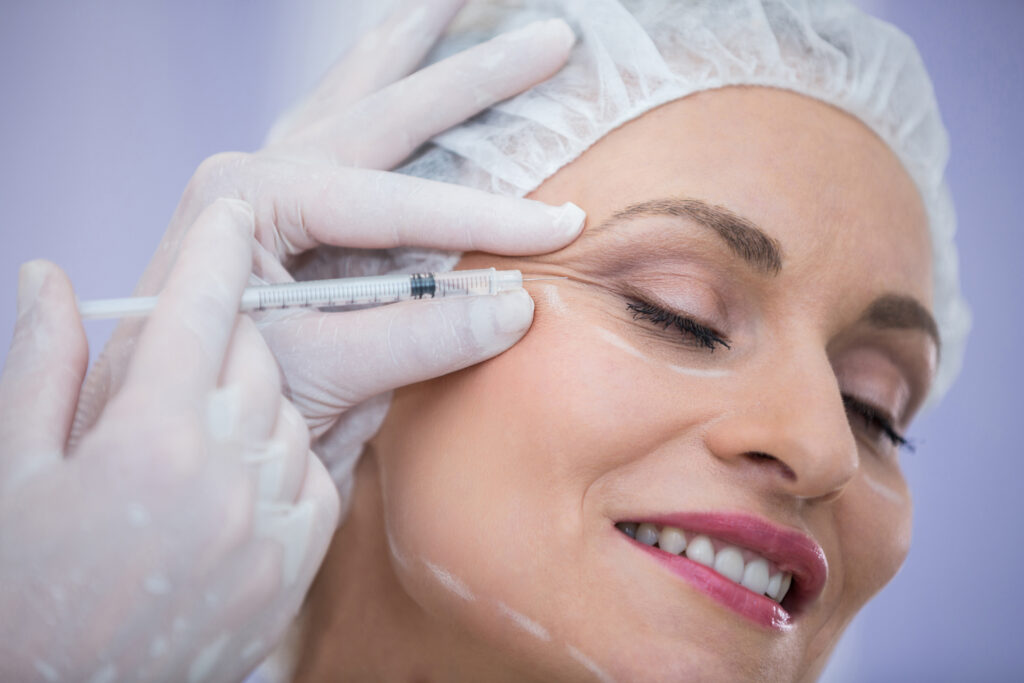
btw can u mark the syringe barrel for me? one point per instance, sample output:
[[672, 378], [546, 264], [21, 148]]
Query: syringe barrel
[[360, 291], [477, 282]]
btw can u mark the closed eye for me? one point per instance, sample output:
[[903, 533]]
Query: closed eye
[[693, 331], [874, 421]]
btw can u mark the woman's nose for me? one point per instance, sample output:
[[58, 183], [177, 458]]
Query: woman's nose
[[791, 430]]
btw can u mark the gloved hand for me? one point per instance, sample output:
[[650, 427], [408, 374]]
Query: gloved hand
[[177, 539], [321, 180]]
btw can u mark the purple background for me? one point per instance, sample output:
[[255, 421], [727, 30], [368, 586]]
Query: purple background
[[109, 106]]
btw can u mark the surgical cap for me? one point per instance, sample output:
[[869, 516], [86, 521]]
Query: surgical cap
[[634, 55]]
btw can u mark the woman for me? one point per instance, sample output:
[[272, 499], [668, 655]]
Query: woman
[[689, 467], [686, 470]]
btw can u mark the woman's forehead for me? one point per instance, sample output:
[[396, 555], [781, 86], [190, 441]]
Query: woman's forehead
[[813, 179]]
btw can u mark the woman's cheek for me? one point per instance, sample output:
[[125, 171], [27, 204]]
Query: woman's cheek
[[536, 426], [875, 516]]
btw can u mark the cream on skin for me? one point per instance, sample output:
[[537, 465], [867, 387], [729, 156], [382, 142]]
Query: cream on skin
[[512, 473]]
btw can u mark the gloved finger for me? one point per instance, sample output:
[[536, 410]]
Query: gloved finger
[[383, 129], [108, 373], [207, 621], [251, 372], [300, 206], [301, 533], [104, 379], [363, 353], [279, 464], [303, 528], [42, 374], [181, 350], [382, 56]]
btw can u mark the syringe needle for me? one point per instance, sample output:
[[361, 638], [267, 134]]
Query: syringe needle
[[541, 279]]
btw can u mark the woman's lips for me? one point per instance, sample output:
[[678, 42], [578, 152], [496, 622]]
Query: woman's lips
[[762, 544]]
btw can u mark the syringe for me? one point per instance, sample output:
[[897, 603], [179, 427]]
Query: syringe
[[354, 291]]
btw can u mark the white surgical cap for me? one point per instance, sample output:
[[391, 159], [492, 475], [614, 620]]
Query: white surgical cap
[[634, 55]]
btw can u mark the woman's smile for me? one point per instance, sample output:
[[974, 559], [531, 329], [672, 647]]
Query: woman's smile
[[747, 564]]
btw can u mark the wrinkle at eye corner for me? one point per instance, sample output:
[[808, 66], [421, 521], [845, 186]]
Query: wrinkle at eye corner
[[621, 344]]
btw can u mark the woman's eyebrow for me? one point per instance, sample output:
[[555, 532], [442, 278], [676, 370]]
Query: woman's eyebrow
[[762, 252], [744, 238], [896, 311]]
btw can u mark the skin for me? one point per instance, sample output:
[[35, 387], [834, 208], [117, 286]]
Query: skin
[[510, 475]]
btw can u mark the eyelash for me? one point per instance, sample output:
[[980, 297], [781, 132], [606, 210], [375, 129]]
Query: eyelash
[[876, 421], [703, 336]]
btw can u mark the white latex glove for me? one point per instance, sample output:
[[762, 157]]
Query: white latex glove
[[176, 541], [321, 181]]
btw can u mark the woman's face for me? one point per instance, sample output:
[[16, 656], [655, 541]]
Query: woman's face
[[744, 314]]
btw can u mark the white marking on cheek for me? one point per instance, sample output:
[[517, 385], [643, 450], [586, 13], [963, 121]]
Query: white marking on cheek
[[203, 665], [554, 300], [524, 622], [699, 372], [450, 581], [620, 343], [399, 556], [589, 665], [890, 494]]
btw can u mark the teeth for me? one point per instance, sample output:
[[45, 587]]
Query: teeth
[[672, 540], [701, 551], [754, 575], [787, 579], [647, 534], [729, 563], [628, 528]]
